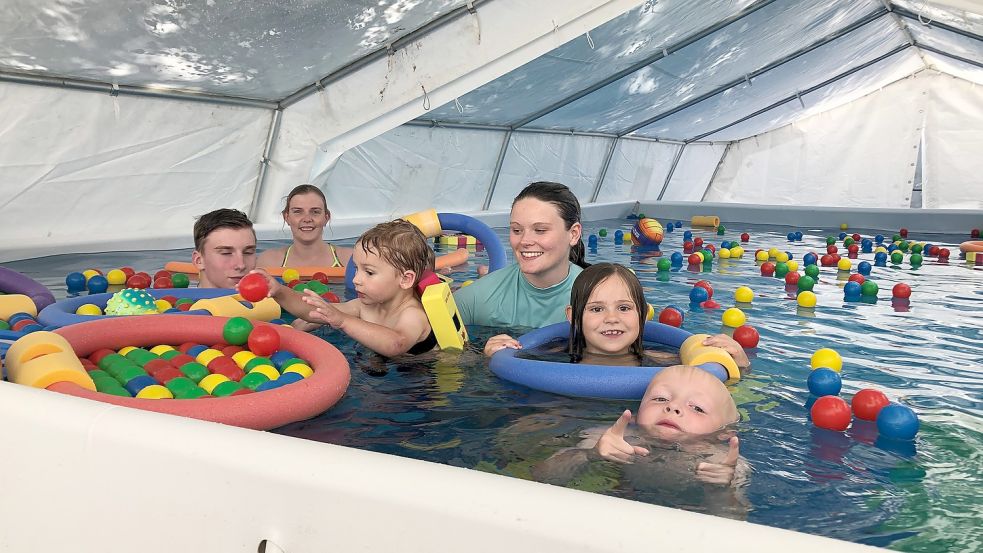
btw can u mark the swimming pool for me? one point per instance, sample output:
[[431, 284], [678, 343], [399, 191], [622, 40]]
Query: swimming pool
[[449, 409]]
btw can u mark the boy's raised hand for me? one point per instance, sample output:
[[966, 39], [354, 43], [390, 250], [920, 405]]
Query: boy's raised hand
[[723, 472], [500, 341], [612, 445], [731, 346], [322, 311]]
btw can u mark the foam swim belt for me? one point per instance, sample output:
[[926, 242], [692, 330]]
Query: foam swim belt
[[601, 381], [223, 302], [971, 246], [51, 360]]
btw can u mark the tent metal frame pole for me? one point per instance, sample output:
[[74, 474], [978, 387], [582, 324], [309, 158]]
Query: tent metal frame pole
[[470, 8], [672, 169], [498, 170], [950, 56], [264, 162], [809, 90], [134, 90], [911, 15], [500, 128], [716, 170], [903, 27], [644, 63], [869, 18], [604, 170]]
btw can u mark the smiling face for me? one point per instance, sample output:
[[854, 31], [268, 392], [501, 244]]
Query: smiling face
[[682, 401], [610, 321], [306, 216], [541, 242], [376, 280], [226, 255]]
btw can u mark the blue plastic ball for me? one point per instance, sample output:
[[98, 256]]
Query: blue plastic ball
[[891, 248], [619, 237], [880, 259], [851, 291], [824, 382], [75, 282], [280, 356], [879, 239], [592, 240], [670, 227], [138, 383], [679, 224], [897, 422], [789, 254], [791, 237], [19, 316], [798, 235], [725, 244], [289, 378], [688, 235], [863, 268], [842, 235], [97, 284], [810, 259], [193, 351], [677, 259], [698, 295]]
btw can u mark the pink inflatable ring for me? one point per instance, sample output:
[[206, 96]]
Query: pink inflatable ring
[[300, 400]]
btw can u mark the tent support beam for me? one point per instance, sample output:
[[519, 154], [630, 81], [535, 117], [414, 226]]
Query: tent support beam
[[911, 15], [133, 90], [645, 62], [672, 169], [904, 30], [809, 90], [501, 128], [604, 170], [950, 56], [873, 16], [716, 170], [498, 170], [264, 162]]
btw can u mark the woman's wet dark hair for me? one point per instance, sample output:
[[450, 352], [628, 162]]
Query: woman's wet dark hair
[[586, 281], [566, 204]]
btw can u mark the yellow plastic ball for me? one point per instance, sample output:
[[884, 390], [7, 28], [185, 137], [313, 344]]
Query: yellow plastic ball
[[737, 251], [761, 256], [806, 299], [724, 253], [301, 369], [651, 313], [843, 226], [88, 309], [116, 277], [126, 349], [157, 350], [155, 391], [782, 257], [290, 275], [700, 255], [733, 317], [792, 265], [844, 264], [880, 249], [773, 252], [743, 295], [211, 381], [268, 370], [89, 273], [162, 305], [243, 357], [827, 358]]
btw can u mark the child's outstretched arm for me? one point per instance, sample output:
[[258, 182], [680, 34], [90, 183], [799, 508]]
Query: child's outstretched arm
[[411, 327], [612, 445], [287, 298], [722, 472], [500, 341], [731, 346]]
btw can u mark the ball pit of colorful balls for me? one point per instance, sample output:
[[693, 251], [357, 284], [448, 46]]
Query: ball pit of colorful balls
[[192, 371]]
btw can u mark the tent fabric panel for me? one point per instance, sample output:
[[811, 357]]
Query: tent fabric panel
[[953, 142], [955, 68], [843, 91], [867, 43], [83, 167], [955, 13], [409, 169], [569, 159], [726, 55], [946, 41], [693, 172], [638, 170], [576, 65], [861, 154], [256, 50]]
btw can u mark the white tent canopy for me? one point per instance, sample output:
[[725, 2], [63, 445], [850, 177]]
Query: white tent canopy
[[120, 121]]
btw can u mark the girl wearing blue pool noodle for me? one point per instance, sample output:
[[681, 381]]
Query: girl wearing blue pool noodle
[[544, 233]]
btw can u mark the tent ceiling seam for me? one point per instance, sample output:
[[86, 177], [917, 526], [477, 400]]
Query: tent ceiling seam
[[502, 128], [664, 52], [604, 170], [873, 16], [951, 56], [809, 90]]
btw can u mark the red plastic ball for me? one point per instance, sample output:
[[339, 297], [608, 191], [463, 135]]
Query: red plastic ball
[[856, 237], [229, 351], [331, 297], [169, 299], [901, 290], [263, 340], [903, 232], [853, 249], [747, 336], [791, 278], [710, 247], [687, 246], [710, 304], [697, 241], [293, 283], [162, 273], [857, 277], [768, 269], [831, 249], [745, 237], [831, 413], [183, 307], [128, 271], [934, 250], [867, 403], [139, 280], [826, 260], [705, 284], [944, 253], [163, 282], [695, 259], [975, 233], [320, 277], [253, 287], [671, 317]]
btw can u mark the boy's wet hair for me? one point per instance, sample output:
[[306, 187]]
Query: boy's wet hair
[[567, 206], [218, 219], [586, 281], [402, 245]]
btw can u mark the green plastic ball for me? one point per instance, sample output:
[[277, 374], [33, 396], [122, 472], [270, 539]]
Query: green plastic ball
[[916, 248], [903, 246], [664, 264], [602, 233], [897, 257], [896, 238], [849, 241], [812, 271], [868, 288], [180, 280], [781, 269], [830, 240], [916, 259], [721, 230], [236, 331], [806, 283]]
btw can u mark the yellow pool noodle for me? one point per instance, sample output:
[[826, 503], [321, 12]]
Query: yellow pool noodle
[[693, 352], [43, 358], [705, 221], [16, 303]]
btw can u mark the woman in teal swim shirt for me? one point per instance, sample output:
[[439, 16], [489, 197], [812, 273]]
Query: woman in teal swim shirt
[[306, 213], [545, 236]]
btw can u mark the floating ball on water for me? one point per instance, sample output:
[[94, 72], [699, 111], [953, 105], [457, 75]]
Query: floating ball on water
[[798, 235], [880, 259], [867, 404], [75, 282], [824, 382], [831, 413], [792, 278], [831, 249], [180, 280], [724, 253], [828, 358], [163, 282], [897, 257], [790, 236], [857, 277], [869, 288], [916, 248], [897, 422], [677, 259], [670, 227], [138, 281], [687, 235], [851, 291], [705, 284], [848, 241], [806, 282], [745, 237], [663, 264], [761, 255], [844, 265], [782, 257], [903, 232], [602, 233], [975, 233], [781, 269], [697, 241], [721, 230], [698, 295], [943, 253], [647, 232], [863, 268], [747, 336], [671, 316], [236, 331], [116, 277], [290, 275], [695, 258], [812, 271], [915, 259], [733, 317], [843, 226], [830, 240], [901, 290], [806, 298], [736, 251], [88, 309], [97, 284], [810, 259], [767, 269], [744, 295]]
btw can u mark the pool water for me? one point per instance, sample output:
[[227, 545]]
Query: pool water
[[915, 496]]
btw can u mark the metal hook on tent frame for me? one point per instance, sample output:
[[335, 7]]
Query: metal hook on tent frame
[[590, 41], [747, 78], [798, 96], [458, 106], [426, 98], [114, 90], [477, 23]]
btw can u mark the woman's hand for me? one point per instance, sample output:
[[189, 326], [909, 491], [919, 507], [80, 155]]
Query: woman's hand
[[731, 346], [500, 341]]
